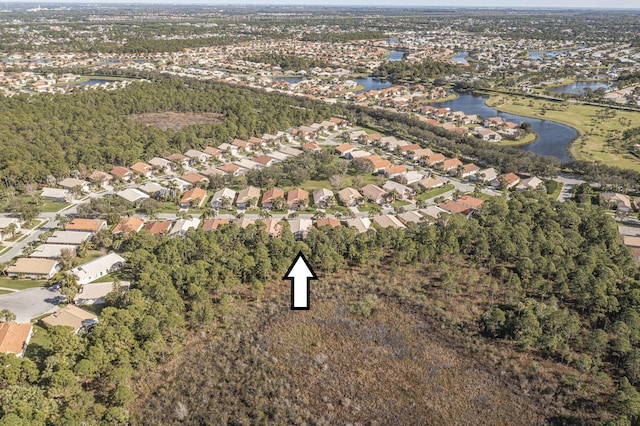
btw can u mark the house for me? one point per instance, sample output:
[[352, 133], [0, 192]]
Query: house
[[487, 134], [244, 222], [291, 152], [509, 180], [388, 221], [278, 156], [52, 251], [620, 202], [183, 225], [197, 156], [473, 202], [529, 183], [468, 170], [212, 172], [121, 173], [97, 268], [153, 189], [37, 269], [374, 193], [223, 198], [349, 197], [321, 197], [419, 154], [378, 163], [179, 159], [70, 316], [160, 164], [451, 164], [435, 159], [6, 224], [132, 195], [270, 195], [86, 225], [100, 178], [487, 175], [195, 179], [193, 198], [402, 190], [179, 184], [143, 169], [213, 224], [360, 224], [300, 227], [432, 212], [311, 146], [393, 171], [69, 237], [413, 147], [264, 160], [452, 207], [297, 198], [248, 164], [431, 182], [241, 144], [14, 338], [158, 227], [328, 221], [96, 293], [272, 226], [214, 153], [230, 169], [56, 194], [345, 149], [128, 225], [248, 197], [411, 216], [72, 183]]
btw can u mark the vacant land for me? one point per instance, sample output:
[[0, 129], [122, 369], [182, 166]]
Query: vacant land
[[353, 358], [599, 128], [176, 120]]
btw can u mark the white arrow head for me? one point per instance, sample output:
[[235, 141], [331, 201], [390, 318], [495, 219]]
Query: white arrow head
[[300, 273]]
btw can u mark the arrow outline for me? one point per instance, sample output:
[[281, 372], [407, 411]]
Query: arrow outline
[[292, 279]]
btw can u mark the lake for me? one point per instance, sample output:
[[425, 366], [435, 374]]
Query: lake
[[578, 87], [461, 57], [553, 138], [396, 55], [371, 83], [290, 80]]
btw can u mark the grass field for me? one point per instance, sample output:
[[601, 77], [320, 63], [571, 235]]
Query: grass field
[[19, 284], [53, 206], [597, 135], [435, 192]]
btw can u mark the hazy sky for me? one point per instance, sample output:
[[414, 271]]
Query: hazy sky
[[628, 4]]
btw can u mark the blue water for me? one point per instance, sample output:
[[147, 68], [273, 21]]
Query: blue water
[[553, 138], [461, 57], [578, 87], [396, 55], [290, 80], [542, 54], [371, 83]]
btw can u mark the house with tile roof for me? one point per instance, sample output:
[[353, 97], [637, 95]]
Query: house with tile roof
[[14, 338]]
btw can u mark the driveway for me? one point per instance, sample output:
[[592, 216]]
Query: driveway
[[31, 303]]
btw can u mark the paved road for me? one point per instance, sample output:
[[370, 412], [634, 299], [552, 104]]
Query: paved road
[[31, 303], [16, 249], [568, 183]]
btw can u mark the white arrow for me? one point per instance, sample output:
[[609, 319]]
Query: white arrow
[[300, 273]]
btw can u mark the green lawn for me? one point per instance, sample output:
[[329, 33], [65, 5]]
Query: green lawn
[[20, 284], [400, 203], [555, 188], [91, 255], [5, 292], [435, 192], [310, 185], [106, 279], [53, 206]]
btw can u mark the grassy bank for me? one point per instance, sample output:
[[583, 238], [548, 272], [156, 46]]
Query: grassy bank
[[599, 136]]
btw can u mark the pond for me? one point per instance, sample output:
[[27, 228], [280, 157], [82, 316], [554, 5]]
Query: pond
[[578, 87], [553, 138], [372, 83], [396, 55], [461, 57]]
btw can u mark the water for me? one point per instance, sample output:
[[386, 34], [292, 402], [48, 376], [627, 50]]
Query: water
[[290, 80], [541, 54], [461, 57], [578, 87], [553, 138], [371, 83], [396, 55]]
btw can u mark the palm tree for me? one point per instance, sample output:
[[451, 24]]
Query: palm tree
[[11, 229], [319, 215], [209, 212], [264, 214], [62, 220]]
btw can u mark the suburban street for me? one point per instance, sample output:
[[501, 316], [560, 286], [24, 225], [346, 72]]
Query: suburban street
[[31, 303]]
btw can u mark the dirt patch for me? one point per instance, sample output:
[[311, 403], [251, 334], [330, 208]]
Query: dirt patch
[[176, 120]]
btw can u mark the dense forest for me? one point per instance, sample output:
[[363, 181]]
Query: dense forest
[[288, 62], [54, 134], [546, 279], [414, 72]]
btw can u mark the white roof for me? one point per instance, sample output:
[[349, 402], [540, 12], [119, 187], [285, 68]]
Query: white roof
[[412, 177], [359, 154], [432, 211], [181, 184], [103, 265], [277, 155], [69, 237], [151, 188], [361, 224], [386, 221], [224, 192], [71, 182], [248, 164], [54, 193], [300, 225], [132, 195], [5, 221], [159, 162], [290, 151], [489, 174], [51, 251], [410, 216], [194, 153], [390, 185], [96, 292], [321, 193], [183, 225]]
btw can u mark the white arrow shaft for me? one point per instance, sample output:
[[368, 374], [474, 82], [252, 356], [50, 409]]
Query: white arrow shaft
[[300, 292]]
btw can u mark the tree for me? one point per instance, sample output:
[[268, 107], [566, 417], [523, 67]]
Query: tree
[[63, 220], [11, 229], [68, 284], [7, 316]]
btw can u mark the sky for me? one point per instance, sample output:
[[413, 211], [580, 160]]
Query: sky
[[580, 4]]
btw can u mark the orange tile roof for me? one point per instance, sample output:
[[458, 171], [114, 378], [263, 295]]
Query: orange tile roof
[[120, 171], [158, 227], [88, 225], [511, 178], [142, 168], [345, 147], [436, 158], [455, 207], [212, 224], [451, 163], [128, 225], [330, 221], [229, 168], [262, 159], [297, 194], [192, 195], [470, 201], [268, 196], [13, 337], [393, 170], [194, 178]]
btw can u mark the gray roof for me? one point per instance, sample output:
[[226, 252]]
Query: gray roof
[[132, 195], [51, 251], [92, 270], [69, 237]]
